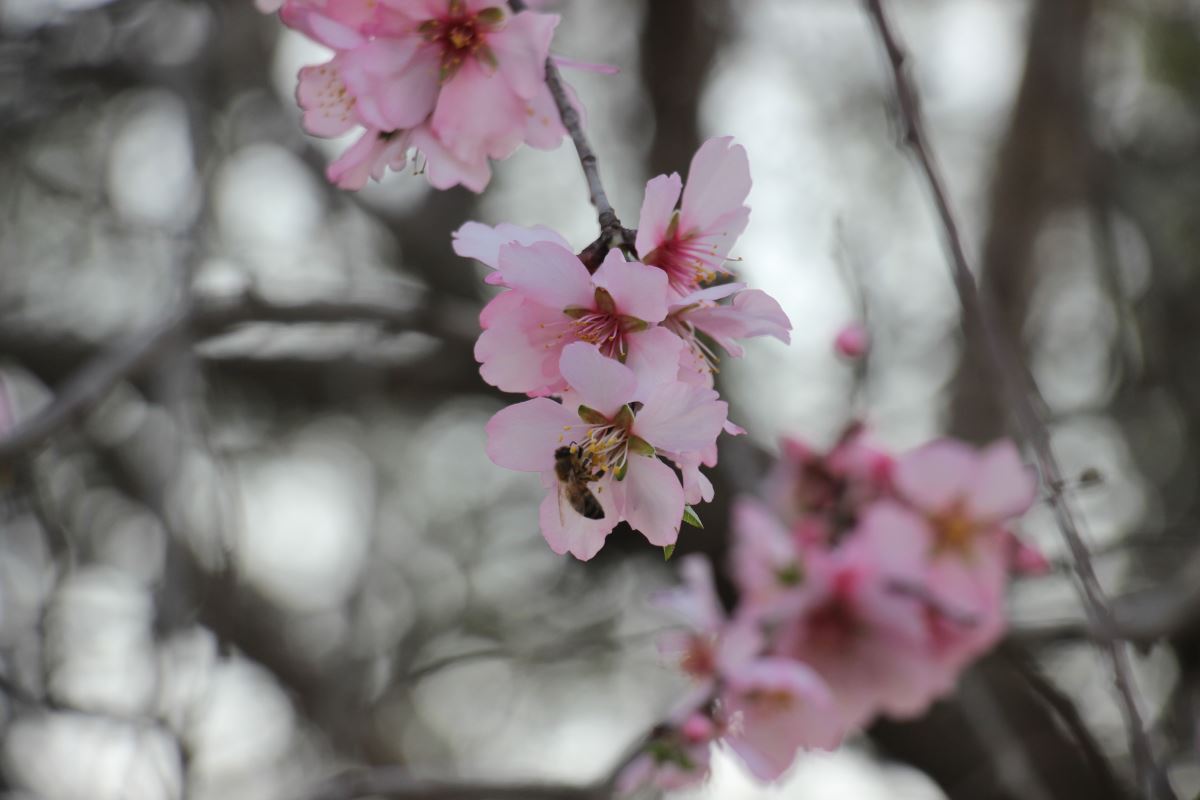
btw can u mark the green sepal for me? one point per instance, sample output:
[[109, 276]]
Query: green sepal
[[668, 551], [791, 575], [619, 472], [604, 300], [487, 57], [429, 29], [457, 8], [672, 227], [690, 517], [633, 324], [450, 68], [591, 416], [624, 417], [575, 312], [491, 17], [640, 446]]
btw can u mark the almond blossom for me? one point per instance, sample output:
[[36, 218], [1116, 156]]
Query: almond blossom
[[618, 446], [552, 300], [461, 81], [691, 243]]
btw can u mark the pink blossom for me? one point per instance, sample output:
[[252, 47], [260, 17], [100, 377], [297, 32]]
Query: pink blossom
[[616, 447], [482, 243], [768, 560], [691, 244], [778, 706], [553, 300], [852, 341], [677, 758], [750, 312], [869, 642]]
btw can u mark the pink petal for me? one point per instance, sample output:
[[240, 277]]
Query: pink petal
[[585, 66], [718, 292], [477, 114], [638, 290], [566, 531], [521, 49], [936, 476], [1004, 487], [328, 107], [548, 274], [483, 242], [654, 358], [752, 313], [681, 418], [651, 499], [718, 183], [395, 81], [443, 169], [543, 127], [514, 353], [369, 157], [524, 436], [658, 205], [603, 384]]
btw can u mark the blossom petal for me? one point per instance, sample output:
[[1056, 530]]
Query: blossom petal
[[395, 81], [1004, 486], [654, 358], [936, 476], [603, 384], [524, 436], [521, 48], [548, 273], [638, 290], [651, 499], [567, 531], [444, 169], [718, 183], [681, 418], [483, 242], [658, 205]]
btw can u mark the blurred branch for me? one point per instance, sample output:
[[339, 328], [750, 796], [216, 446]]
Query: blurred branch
[[1014, 383], [95, 379], [610, 226], [398, 784]]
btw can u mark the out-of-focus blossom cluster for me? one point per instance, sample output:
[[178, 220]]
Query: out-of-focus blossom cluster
[[866, 582], [460, 81], [619, 356]]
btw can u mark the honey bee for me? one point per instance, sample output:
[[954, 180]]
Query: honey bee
[[574, 473]]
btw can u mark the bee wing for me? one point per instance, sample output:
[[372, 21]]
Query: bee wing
[[562, 517]]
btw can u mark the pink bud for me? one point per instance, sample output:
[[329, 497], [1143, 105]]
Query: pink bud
[[698, 728], [852, 341]]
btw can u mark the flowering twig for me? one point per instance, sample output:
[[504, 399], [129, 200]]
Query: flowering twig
[[610, 226], [1014, 384]]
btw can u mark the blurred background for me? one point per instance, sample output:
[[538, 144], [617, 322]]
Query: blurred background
[[278, 550]]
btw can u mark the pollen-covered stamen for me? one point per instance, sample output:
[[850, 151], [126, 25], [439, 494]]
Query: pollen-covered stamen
[[955, 531], [603, 326], [686, 331], [686, 259], [605, 445]]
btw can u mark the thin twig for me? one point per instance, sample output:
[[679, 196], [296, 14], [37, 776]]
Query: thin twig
[[399, 784], [1014, 383], [610, 226], [88, 386]]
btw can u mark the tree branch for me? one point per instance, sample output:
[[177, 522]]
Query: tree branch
[[610, 226], [92, 382], [1014, 382]]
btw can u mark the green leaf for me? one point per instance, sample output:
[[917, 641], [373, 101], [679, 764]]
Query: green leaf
[[690, 517], [591, 416], [668, 551]]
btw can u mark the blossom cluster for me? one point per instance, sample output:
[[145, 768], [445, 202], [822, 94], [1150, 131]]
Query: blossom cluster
[[619, 357], [460, 81], [866, 583]]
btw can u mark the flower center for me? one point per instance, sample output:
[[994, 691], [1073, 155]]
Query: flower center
[[955, 532], [462, 36], [686, 262], [603, 330]]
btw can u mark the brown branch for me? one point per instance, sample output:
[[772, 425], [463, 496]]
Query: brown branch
[[92, 382], [610, 225], [396, 783], [1015, 384]]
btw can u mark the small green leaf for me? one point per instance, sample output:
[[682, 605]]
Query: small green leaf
[[689, 516], [575, 312], [591, 416], [624, 418], [668, 551], [604, 300], [640, 446]]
